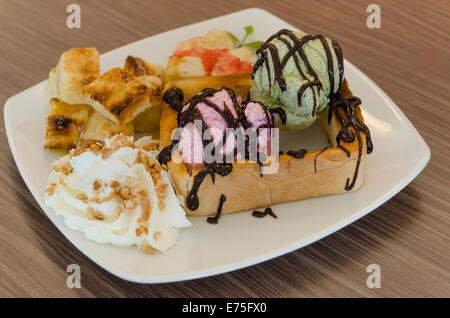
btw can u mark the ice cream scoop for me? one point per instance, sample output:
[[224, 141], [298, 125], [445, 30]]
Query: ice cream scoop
[[297, 73], [217, 111], [116, 192]]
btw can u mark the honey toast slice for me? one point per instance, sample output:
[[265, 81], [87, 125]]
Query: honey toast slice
[[117, 95], [152, 76], [99, 127], [65, 124], [338, 168], [76, 67]]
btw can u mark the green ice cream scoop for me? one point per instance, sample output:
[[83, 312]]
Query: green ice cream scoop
[[297, 74]]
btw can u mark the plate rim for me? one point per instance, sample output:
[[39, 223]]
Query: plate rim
[[255, 259]]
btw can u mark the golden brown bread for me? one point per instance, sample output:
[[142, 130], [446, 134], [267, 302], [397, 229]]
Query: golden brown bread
[[138, 67], [65, 124], [117, 95], [76, 67], [117, 98], [99, 127], [152, 76], [320, 172], [240, 83]]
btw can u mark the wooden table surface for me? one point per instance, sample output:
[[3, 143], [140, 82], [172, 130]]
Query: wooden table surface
[[409, 58]]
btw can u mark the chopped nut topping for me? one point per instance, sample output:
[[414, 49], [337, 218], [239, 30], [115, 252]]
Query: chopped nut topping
[[146, 211], [147, 143], [154, 169], [83, 197], [162, 187], [157, 235], [65, 168], [125, 192], [143, 193], [122, 141], [155, 166], [141, 229], [96, 199], [106, 152], [142, 158], [139, 190], [50, 190], [117, 212], [94, 144], [147, 248], [87, 145], [152, 145], [94, 214], [114, 184], [129, 204], [97, 185], [162, 194]]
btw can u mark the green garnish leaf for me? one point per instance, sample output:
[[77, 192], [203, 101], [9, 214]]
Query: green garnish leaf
[[235, 40], [248, 30], [254, 45]]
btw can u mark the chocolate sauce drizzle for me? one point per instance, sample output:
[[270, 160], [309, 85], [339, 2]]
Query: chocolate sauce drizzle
[[174, 97], [280, 111], [165, 155], [267, 211], [296, 51], [315, 158], [348, 105], [222, 169], [215, 219], [297, 154]]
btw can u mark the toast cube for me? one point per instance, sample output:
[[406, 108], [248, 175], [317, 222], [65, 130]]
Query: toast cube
[[65, 124], [138, 67], [52, 85], [117, 95], [150, 75], [75, 68], [99, 127]]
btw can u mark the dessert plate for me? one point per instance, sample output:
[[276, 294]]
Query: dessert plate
[[239, 240]]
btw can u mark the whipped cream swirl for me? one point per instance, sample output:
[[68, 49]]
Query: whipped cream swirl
[[116, 192]]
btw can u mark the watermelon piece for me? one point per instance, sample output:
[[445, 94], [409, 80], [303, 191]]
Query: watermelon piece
[[218, 61], [227, 64], [210, 58]]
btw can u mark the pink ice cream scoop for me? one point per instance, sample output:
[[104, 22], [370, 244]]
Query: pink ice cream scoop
[[219, 111], [259, 118]]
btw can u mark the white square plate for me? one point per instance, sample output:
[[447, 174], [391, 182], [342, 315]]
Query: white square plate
[[239, 240]]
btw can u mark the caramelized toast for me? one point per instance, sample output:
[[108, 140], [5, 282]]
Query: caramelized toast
[[152, 76], [99, 127], [65, 124], [75, 68], [117, 95]]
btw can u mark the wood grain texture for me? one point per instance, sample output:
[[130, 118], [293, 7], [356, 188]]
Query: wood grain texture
[[408, 236]]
